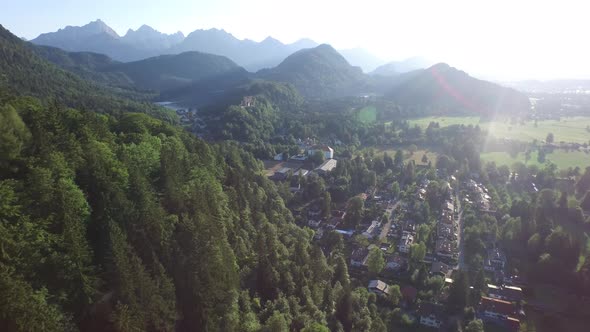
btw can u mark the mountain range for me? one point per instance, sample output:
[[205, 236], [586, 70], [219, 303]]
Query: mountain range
[[147, 42], [318, 72], [71, 79]]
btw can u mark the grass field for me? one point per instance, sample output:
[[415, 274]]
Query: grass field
[[571, 129], [368, 114], [416, 156], [560, 158]]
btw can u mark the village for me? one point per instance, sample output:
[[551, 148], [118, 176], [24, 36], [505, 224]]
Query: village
[[397, 238]]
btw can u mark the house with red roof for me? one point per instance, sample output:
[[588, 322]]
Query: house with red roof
[[498, 311]]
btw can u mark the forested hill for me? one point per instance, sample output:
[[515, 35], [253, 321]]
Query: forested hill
[[23, 72], [319, 72], [117, 221], [87, 65], [447, 89], [167, 72]]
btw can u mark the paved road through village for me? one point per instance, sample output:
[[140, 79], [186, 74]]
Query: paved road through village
[[389, 213], [461, 260]]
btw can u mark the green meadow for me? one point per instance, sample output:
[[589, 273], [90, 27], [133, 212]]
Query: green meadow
[[562, 159], [368, 114], [572, 129]]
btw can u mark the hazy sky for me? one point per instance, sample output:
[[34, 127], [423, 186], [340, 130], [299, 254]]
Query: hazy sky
[[495, 39]]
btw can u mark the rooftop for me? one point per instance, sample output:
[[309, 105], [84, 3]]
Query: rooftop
[[439, 268], [328, 165], [494, 305], [379, 285], [359, 254], [444, 246]]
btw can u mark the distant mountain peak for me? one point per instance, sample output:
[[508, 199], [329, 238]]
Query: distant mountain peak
[[326, 47], [271, 40], [98, 26], [360, 57], [441, 66], [92, 28], [395, 68], [145, 27]]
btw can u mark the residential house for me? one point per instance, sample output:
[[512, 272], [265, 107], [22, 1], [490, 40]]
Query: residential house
[[448, 206], [445, 248], [327, 166], [445, 231], [337, 218], [495, 261], [431, 314], [491, 308], [506, 293], [378, 287], [283, 173], [498, 311], [409, 226], [405, 242], [372, 230], [314, 223], [396, 263], [447, 217], [359, 257], [440, 269]]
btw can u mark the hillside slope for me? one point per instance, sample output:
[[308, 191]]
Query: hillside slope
[[24, 73], [319, 72], [87, 65], [448, 89], [167, 72]]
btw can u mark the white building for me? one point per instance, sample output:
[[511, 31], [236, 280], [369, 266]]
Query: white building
[[314, 223], [406, 241], [378, 287], [327, 151], [371, 230]]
